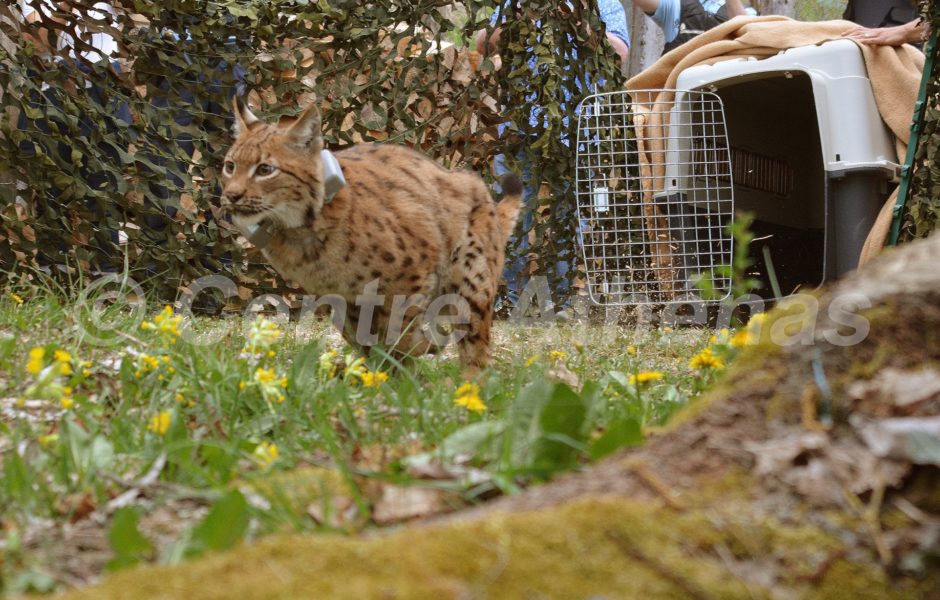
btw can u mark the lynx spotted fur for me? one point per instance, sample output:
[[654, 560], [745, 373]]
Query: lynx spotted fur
[[402, 222]]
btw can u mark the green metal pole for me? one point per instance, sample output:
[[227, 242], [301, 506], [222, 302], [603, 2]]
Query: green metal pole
[[904, 190]]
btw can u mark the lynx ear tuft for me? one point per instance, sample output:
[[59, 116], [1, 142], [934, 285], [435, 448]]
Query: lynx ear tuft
[[244, 118], [305, 131]]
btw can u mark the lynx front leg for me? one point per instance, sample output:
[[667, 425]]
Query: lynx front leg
[[476, 298]]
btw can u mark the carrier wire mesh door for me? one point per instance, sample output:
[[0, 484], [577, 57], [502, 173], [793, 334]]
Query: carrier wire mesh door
[[654, 197]]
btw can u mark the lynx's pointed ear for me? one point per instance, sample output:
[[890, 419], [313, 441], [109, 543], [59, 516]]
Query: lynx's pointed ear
[[244, 118], [305, 131]]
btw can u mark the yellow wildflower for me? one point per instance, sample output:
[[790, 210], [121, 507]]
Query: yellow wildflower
[[270, 384], [328, 366], [374, 378], [631, 350], [355, 367], [146, 363], [242, 385], [62, 356], [266, 453], [532, 360], [556, 355], [751, 332], [706, 359], [49, 439], [66, 402], [645, 377], [262, 334], [16, 298], [742, 338], [360, 413], [471, 403], [468, 396], [265, 375], [160, 422], [467, 388], [35, 364], [166, 323]]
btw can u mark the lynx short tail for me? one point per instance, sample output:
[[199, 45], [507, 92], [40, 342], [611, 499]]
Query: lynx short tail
[[509, 207]]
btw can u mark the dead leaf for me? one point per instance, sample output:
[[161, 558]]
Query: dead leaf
[[333, 512], [563, 374], [902, 389], [777, 455], [425, 108], [187, 203], [462, 71], [76, 506], [447, 123], [911, 439], [404, 503]]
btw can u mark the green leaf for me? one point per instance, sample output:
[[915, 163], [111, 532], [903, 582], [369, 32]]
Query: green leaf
[[101, 454], [224, 526], [475, 438], [16, 478], [127, 542], [623, 433], [561, 434]]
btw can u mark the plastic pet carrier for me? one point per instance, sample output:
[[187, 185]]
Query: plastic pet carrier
[[795, 139]]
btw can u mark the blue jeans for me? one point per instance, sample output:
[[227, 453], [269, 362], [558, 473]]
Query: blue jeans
[[516, 251]]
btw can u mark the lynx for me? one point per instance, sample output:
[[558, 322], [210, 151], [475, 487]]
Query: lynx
[[402, 226]]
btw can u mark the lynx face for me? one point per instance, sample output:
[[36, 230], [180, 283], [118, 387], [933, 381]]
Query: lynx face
[[273, 172]]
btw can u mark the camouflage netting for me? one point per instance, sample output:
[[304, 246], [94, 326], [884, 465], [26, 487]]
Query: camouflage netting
[[922, 215], [105, 163]]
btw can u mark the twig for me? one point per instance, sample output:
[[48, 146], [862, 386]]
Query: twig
[[643, 473], [809, 410], [870, 517]]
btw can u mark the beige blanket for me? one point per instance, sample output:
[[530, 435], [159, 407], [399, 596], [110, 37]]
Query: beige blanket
[[895, 74]]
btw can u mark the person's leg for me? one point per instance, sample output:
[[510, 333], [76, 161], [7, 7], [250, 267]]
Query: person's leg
[[38, 138], [516, 249], [103, 174], [567, 245]]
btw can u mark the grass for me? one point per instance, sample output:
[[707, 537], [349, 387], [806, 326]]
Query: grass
[[166, 437]]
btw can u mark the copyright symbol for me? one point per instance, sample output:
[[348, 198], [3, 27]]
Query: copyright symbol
[[109, 306]]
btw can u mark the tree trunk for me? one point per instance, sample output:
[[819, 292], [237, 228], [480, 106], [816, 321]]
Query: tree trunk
[[646, 39]]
